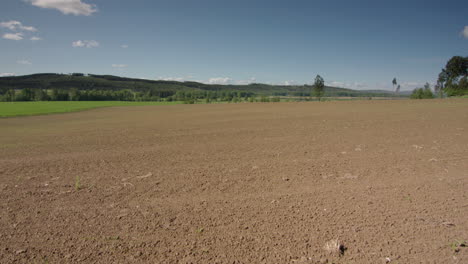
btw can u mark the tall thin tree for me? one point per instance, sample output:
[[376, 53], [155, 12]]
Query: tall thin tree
[[394, 82], [319, 86]]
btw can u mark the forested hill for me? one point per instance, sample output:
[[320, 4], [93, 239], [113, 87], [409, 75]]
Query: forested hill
[[88, 82]]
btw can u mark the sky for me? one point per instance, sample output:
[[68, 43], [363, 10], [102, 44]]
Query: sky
[[360, 44]]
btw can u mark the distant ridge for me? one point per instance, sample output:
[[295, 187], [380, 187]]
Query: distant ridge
[[110, 82]]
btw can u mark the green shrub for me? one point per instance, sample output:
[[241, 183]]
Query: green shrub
[[422, 93]]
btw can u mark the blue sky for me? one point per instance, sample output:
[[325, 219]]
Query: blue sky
[[355, 44]]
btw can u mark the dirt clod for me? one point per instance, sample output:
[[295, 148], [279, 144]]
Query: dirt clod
[[21, 251]]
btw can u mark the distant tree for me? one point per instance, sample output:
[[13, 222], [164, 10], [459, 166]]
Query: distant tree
[[427, 93], [3, 90], [74, 94], [417, 93], [55, 94], [441, 81], [10, 95], [26, 94], [422, 93], [41, 95], [304, 88], [127, 95], [438, 90], [319, 86], [59, 95], [394, 82]]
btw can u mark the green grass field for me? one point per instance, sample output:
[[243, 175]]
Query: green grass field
[[9, 109]]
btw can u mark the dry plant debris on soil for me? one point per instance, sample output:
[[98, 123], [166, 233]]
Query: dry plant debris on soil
[[378, 182]]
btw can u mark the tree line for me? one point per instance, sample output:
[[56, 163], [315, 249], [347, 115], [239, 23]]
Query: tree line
[[452, 81], [151, 94], [73, 94]]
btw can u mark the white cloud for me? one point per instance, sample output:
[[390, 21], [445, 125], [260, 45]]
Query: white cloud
[[219, 80], [17, 26], [24, 62], [335, 84], [35, 38], [188, 78], [120, 66], [78, 43], [11, 25], [464, 32], [245, 82], [74, 7], [85, 43], [124, 46], [20, 29], [290, 82], [6, 74], [177, 79], [32, 29], [13, 36], [350, 85]]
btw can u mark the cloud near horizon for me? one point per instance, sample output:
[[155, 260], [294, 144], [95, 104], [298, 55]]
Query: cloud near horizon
[[219, 80], [24, 62], [119, 66], [67, 7], [246, 82], [289, 83], [177, 79], [85, 43], [351, 85], [6, 74]]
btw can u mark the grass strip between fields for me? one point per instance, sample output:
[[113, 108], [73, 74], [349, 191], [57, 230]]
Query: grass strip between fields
[[11, 109]]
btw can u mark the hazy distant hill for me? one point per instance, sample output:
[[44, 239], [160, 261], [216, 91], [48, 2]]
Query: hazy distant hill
[[109, 82]]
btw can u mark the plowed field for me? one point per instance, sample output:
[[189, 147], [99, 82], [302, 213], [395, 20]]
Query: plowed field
[[384, 181]]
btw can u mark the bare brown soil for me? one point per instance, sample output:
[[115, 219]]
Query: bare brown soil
[[331, 182]]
